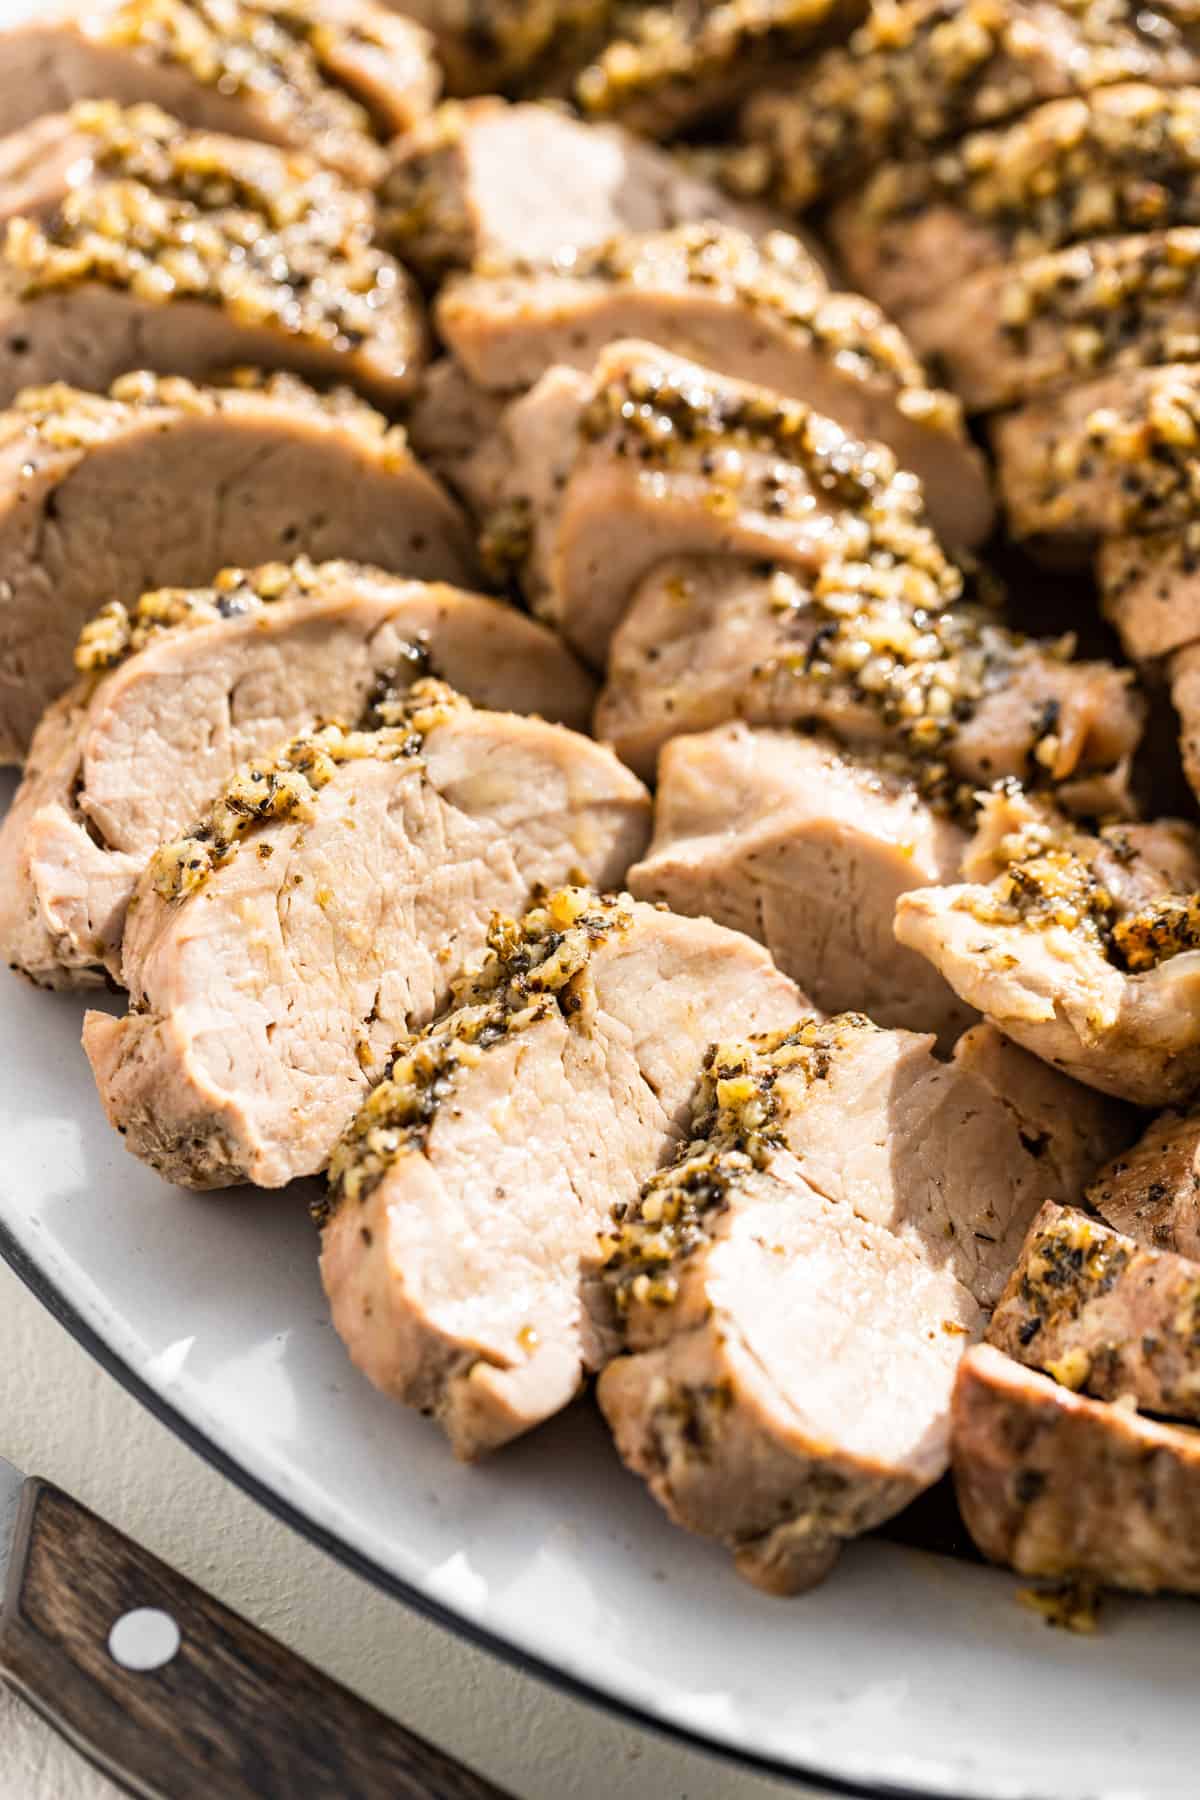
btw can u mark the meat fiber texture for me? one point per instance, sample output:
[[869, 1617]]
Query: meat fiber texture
[[162, 484], [202, 680], [806, 849], [758, 311], [470, 1196], [1152, 1191], [268, 981], [326, 79], [794, 1293], [1080, 947]]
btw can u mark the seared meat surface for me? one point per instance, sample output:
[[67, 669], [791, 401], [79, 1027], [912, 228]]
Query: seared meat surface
[[189, 683], [162, 483], [921, 71], [1055, 1484], [331, 79], [758, 311], [1103, 1315], [506, 45], [470, 1194], [795, 1291], [1148, 585], [1081, 946], [805, 848], [1152, 1192], [320, 911], [950, 689], [188, 253]]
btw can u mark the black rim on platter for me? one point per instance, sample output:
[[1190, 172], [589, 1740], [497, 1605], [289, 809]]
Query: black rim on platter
[[61, 1309]]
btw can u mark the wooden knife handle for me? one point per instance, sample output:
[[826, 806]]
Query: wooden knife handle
[[231, 1716]]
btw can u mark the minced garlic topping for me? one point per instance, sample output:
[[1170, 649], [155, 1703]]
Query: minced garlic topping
[[286, 785], [1146, 447], [533, 966], [267, 235], [737, 1120]]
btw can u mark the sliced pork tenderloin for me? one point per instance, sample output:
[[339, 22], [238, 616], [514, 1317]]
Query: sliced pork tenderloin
[[652, 456], [330, 79], [710, 639], [1054, 1484], [1119, 159], [1184, 674], [921, 71], [160, 482], [1103, 460], [794, 1293], [505, 45], [454, 426], [1102, 1315], [1081, 946], [190, 683], [806, 849], [469, 1196], [320, 911], [1150, 589], [484, 180], [1012, 333], [747, 309], [1152, 1192], [671, 64], [189, 253]]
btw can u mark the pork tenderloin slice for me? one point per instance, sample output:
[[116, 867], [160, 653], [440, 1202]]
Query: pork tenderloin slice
[[267, 984], [331, 80], [1149, 590], [671, 66], [922, 71], [1079, 946], [454, 426], [1106, 458], [710, 639], [1102, 1315], [160, 482], [1183, 670], [191, 683], [746, 309], [483, 179], [1054, 1484], [1119, 159], [805, 849], [187, 252], [1152, 1192], [470, 1195], [508, 45], [1010, 334], [652, 456]]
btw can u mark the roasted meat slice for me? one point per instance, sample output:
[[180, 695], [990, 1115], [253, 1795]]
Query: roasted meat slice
[[469, 1196], [651, 456], [796, 1290], [505, 45], [920, 71], [872, 653], [1009, 334], [189, 683], [331, 78], [1055, 1484], [485, 180], [163, 483], [1109, 457], [189, 253], [1152, 1192], [320, 910], [1150, 586], [1120, 159], [1103, 1315], [805, 848], [454, 426], [1082, 946], [674, 63], [758, 311], [1184, 672]]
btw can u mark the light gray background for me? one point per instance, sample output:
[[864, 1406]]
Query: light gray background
[[62, 1417]]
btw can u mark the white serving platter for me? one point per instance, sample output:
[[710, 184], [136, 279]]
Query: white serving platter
[[905, 1674]]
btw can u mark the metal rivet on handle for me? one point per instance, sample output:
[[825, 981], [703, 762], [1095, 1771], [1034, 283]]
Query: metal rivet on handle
[[143, 1640]]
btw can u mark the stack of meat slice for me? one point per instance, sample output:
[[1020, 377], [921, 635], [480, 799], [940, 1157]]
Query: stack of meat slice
[[336, 79], [180, 689], [1075, 1447], [131, 242]]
